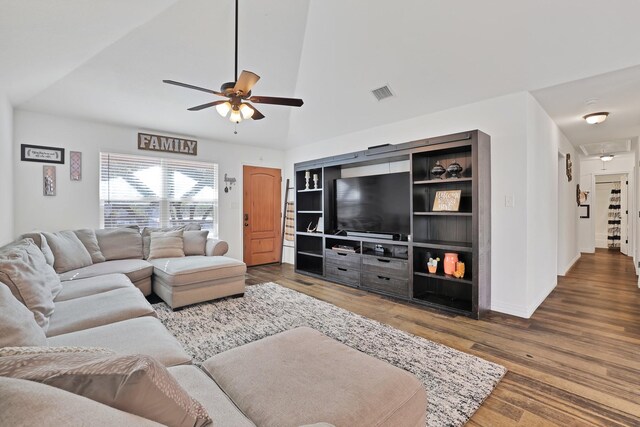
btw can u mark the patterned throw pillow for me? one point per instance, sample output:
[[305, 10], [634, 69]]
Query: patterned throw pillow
[[146, 235], [166, 244], [136, 384]]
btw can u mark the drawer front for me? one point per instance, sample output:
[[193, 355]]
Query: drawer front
[[343, 259], [343, 274], [386, 284], [387, 267]]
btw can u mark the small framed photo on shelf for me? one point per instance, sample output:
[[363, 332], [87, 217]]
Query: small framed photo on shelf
[[447, 201]]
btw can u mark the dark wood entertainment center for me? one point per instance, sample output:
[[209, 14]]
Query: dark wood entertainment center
[[397, 268]]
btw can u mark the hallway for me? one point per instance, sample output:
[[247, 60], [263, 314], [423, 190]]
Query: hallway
[[576, 362]]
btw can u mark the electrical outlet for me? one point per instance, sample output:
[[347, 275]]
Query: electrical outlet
[[509, 201]]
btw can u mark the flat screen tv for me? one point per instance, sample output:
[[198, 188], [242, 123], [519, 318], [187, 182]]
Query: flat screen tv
[[376, 203]]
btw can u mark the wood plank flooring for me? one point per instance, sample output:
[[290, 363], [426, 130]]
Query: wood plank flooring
[[576, 362]]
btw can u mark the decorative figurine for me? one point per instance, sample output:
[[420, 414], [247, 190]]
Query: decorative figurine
[[438, 170], [307, 175], [454, 169]]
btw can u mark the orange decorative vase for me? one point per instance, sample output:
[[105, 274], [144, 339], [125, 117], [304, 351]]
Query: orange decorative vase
[[450, 260]]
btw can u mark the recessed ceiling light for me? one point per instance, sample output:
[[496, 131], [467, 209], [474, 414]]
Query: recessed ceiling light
[[596, 118], [606, 157]]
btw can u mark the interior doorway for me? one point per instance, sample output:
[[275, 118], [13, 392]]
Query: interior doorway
[[262, 193], [611, 210]]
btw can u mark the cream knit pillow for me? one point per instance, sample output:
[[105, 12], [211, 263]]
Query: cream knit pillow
[[166, 244]]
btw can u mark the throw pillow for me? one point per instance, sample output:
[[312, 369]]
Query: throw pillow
[[167, 244], [41, 242], [31, 280], [136, 384], [90, 242], [146, 235], [68, 251], [195, 242], [18, 327], [120, 243]]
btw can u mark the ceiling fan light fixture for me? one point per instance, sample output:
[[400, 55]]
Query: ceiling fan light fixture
[[224, 108], [246, 111], [606, 157], [596, 118], [235, 116]]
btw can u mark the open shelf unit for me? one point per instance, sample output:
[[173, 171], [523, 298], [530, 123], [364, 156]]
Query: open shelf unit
[[398, 268]]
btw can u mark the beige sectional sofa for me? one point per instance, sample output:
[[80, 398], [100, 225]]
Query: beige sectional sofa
[[200, 272], [295, 378]]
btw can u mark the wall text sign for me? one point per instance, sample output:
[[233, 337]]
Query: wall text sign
[[168, 144]]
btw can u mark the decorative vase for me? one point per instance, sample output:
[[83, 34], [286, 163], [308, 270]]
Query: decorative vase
[[450, 261], [432, 264], [454, 169], [438, 170]]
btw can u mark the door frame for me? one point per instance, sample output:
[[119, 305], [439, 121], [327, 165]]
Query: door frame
[[240, 198], [631, 205]]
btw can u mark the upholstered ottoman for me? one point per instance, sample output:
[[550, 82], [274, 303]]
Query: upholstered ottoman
[[301, 377], [192, 279]]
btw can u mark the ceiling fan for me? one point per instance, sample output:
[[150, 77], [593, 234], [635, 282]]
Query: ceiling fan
[[238, 93]]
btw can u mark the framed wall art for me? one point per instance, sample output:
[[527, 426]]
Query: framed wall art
[[49, 180], [39, 153], [75, 165]]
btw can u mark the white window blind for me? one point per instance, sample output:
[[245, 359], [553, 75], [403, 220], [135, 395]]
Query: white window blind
[[157, 192]]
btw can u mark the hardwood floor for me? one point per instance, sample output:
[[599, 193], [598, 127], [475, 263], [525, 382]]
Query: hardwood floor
[[576, 362]]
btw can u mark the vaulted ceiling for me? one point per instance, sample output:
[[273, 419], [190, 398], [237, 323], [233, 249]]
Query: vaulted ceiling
[[105, 60]]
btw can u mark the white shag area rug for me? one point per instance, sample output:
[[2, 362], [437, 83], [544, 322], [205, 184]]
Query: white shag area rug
[[457, 383]]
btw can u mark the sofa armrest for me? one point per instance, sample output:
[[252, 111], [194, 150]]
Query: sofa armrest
[[216, 247]]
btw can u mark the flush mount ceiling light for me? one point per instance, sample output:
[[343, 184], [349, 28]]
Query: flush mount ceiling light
[[606, 157], [596, 118]]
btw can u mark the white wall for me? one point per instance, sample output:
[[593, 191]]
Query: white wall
[[77, 203], [504, 119], [589, 168], [552, 221], [6, 171]]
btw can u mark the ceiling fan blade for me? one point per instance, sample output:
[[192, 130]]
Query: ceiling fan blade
[[257, 115], [188, 86], [291, 102], [207, 105], [246, 81]]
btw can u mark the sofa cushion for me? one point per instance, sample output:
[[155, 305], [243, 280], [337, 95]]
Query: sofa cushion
[[195, 242], [134, 269], [40, 241], [204, 390], [136, 384], [78, 288], [97, 310], [68, 251], [146, 234], [166, 244], [90, 242], [143, 335], [269, 377], [120, 243], [28, 403], [18, 327], [195, 269], [31, 280]]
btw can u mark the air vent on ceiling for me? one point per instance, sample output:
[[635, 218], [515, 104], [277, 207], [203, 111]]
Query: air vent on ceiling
[[382, 92], [598, 148]]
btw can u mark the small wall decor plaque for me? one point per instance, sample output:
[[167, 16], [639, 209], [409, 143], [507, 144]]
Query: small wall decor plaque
[[38, 153], [75, 165], [167, 144], [447, 201], [49, 180]]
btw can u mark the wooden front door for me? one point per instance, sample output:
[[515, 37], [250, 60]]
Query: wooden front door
[[261, 215]]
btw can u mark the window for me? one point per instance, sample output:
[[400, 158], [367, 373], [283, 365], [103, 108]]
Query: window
[[157, 192]]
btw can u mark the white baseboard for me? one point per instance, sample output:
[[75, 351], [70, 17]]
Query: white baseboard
[[541, 297], [568, 267], [509, 308]]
